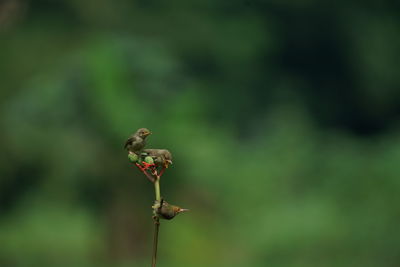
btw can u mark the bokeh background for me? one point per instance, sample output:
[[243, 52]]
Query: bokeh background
[[282, 116]]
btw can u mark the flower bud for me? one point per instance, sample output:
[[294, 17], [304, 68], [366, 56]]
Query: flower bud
[[133, 157], [149, 160]]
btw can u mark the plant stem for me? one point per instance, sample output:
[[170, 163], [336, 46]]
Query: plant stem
[[151, 178], [157, 189], [155, 240], [156, 221]]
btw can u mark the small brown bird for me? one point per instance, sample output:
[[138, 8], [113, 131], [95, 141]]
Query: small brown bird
[[168, 211], [162, 157], [137, 141]]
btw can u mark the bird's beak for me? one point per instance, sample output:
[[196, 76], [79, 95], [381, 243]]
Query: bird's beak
[[182, 210], [148, 133], [167, 162]]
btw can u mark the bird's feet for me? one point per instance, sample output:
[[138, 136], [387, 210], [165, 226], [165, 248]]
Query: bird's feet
[[156, 219]]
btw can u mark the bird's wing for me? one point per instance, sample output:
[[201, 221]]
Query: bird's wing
[[129, 141]]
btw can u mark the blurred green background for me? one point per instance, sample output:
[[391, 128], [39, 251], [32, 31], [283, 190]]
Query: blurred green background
[[282, 116]]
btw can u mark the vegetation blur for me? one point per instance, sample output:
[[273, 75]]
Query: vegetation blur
[[282, 117]]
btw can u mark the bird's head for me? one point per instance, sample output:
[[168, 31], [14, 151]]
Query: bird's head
[[168, 157], [143, 132]]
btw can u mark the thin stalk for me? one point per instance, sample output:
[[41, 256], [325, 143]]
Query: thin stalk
[[155, 241], [156, 221], [151, 178], [157, 189]]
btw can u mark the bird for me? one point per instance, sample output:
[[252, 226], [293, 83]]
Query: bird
[[167, 211], [162, 157], [137, 141]]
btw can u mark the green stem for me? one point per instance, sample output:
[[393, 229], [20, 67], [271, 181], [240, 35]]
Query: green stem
[[156, 221], [157, 189], [155, 241]]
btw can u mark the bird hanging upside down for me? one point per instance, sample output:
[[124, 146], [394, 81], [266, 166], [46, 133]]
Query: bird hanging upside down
[[167, 211]]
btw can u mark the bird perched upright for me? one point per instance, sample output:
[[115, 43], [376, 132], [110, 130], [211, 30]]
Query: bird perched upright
[[161, 157], [167, 211], [137, 141]]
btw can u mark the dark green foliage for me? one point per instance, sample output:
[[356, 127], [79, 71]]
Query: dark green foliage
[[282, 116]]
